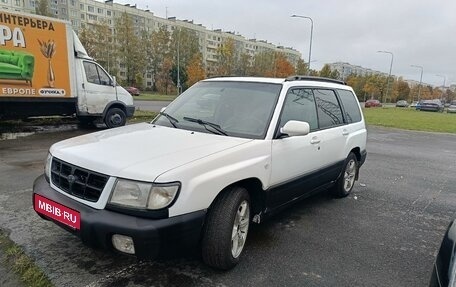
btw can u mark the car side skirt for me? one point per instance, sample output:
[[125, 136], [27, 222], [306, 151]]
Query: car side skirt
[[301, 187]]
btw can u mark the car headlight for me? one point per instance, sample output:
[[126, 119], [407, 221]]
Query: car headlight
[[47, 167], [143, 195]]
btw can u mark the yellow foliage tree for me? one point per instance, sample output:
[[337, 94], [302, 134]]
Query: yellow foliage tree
[[195, 70]]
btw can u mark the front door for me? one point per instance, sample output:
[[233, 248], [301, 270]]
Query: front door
[[295, 159], [98, 88]]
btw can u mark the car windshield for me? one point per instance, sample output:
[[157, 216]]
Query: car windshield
[[240, 109]]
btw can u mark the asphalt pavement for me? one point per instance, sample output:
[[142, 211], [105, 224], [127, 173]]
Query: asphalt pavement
[[386, 233]]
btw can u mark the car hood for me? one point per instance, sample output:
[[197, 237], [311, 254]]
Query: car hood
[[140, 151]]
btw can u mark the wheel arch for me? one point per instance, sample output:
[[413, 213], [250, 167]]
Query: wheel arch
[[114, 104], [255, 190]]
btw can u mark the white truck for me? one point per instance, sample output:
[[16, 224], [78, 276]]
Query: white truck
[[45, 70]]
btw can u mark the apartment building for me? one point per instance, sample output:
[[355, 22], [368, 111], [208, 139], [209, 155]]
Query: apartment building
[[87, 12], [345, 69]]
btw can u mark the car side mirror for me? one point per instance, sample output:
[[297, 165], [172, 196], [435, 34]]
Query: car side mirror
[[295, 128], [114, 82]]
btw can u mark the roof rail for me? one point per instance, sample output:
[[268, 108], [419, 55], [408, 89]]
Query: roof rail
[[312, 78]]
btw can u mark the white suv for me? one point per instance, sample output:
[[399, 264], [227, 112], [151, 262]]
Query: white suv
[[225, 153]]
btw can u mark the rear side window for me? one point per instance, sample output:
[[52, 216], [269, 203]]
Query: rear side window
[[350, 103], [299, 105], [328, 108]]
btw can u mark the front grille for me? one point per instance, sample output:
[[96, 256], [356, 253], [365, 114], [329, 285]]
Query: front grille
[[77, 181]]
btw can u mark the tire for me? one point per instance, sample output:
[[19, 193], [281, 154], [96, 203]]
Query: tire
[[226, 228], [346, 181], [115, 117]]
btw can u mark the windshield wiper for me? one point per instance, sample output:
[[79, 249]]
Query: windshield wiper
[[205, 124], [170, 118]]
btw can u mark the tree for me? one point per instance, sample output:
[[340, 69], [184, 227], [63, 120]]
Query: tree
[[225, 58], [401, 90], [131, 53], [160, 50], [42, 8], [99, 44], [263, 64], [182, 75], [163, 79], [243, 65], [195, 70], [301, 67], [282, 67], [187, 42], [325, 71]]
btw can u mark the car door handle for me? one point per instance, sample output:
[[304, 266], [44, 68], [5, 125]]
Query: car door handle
[[345, 132], [315, 140]]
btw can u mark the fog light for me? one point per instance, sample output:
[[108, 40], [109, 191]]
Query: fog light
[[123, 243]]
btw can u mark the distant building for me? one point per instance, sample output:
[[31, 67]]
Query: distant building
[[87, 12], [346, 69]]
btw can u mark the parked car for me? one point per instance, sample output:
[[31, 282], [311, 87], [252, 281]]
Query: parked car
[[256, 146], [402, 104], [372, 104], [418, 105], [452, 107], [133, 91], [432, 105], [444, 270], [414, 104]]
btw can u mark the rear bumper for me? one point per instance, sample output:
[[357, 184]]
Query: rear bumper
[[152, 237]]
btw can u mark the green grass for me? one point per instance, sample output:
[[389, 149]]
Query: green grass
[[21, 264], [154, 97], [142, 116], [410, 119]]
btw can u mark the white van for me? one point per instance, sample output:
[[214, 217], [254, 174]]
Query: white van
[[45, 70]]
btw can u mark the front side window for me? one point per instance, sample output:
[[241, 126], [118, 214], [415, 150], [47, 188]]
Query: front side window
[[95, 74], [240, 109], [328, 108], [299, 105]]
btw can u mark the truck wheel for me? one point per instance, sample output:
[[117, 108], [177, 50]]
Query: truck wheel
[[346, 181], [115, 117], [226, 228]]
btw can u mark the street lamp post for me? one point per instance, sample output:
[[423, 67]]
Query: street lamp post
[[178, 64], [389, 75], [421, 81], [444, 83], [311, 35]]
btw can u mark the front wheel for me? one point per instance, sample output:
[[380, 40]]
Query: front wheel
[[115, 117], [346, 181], [226, 228]]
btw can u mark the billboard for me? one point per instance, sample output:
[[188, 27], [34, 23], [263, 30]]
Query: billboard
[[33, 57]]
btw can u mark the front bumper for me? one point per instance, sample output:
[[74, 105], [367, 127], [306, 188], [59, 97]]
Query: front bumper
[[363, 157], [152, 237], [130, 111]]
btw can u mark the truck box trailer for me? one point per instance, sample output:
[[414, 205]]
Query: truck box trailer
[[45, 70]]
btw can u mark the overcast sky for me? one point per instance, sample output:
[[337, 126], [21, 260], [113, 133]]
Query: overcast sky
[[417, 32]]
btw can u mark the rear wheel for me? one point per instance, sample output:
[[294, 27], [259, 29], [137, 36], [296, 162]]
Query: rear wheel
[[346, 181], [115, 117], [226, 228]]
